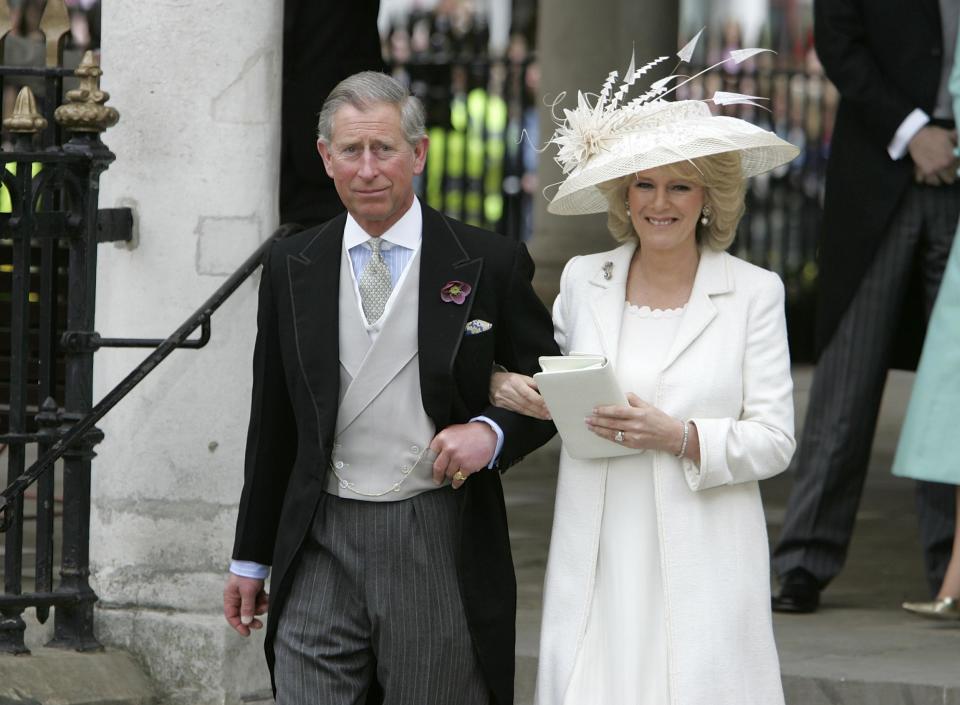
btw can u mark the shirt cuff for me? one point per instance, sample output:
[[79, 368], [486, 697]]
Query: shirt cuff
[[250, 569], [496, 429], [911, 125]]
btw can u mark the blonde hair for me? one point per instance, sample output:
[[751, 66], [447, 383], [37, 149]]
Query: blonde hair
[[724, 189]]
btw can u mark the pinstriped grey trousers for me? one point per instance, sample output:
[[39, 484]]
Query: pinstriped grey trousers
[[375, 596], [845, 400]]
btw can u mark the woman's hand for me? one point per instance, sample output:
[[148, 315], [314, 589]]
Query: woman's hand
[[644, 427], [516, 392]]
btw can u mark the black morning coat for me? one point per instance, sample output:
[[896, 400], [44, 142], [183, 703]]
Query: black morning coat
[[884, 56], [296, 381]]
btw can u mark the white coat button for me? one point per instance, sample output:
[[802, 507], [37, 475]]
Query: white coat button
[[338, 465], [415, 449]]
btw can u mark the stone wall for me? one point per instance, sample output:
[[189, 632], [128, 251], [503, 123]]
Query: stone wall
[[198, 89]]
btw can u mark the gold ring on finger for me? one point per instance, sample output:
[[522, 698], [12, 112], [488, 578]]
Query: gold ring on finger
[[459, 476]]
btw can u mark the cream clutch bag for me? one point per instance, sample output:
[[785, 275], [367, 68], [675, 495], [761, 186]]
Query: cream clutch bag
[[572, 385]]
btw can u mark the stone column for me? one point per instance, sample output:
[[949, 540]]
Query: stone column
[[198, 88], [578, 44]]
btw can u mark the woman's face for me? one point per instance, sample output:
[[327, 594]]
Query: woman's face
[[664, 209]]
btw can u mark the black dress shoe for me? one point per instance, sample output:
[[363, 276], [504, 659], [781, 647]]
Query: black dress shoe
[[799, 593]]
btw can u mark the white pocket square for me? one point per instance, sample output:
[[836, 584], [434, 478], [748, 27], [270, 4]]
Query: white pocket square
[[477, 325]]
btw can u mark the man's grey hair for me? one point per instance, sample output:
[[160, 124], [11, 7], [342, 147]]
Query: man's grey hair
[[368, 88]]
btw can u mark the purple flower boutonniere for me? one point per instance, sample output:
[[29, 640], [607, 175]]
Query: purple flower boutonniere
[[455, 292]]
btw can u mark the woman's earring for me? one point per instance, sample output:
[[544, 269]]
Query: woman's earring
[[705, 215], [626, 204]]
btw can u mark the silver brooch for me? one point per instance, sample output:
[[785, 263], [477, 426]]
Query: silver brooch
[[607, 270]]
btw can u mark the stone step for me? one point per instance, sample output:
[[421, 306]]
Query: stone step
[[844, 655], [61, 677]]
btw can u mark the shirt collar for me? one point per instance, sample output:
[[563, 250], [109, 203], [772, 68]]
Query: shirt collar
[[406, 232]]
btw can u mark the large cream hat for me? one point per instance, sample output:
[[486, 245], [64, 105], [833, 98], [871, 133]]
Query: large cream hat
[[611, 138]]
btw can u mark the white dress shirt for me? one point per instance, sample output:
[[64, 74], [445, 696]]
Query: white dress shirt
[[399, 244]]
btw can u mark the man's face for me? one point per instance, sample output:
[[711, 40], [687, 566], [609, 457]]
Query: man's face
[[372, 165]]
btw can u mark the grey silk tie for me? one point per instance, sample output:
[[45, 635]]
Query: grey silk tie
[[375, 284]]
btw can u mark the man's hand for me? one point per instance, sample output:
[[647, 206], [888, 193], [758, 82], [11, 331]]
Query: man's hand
[[243, 598], [932, 152], [463, 448]]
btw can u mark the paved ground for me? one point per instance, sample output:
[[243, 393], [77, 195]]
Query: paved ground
[[860, 648]]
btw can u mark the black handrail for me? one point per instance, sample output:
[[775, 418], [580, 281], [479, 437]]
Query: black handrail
[[76, 432]]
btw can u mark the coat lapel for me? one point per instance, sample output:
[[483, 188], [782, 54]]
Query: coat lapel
[[354, 340], [608, 297], [712, 278], [441, 324], [314, 275]]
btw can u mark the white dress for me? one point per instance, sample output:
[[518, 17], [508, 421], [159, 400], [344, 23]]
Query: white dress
[[623, 657]]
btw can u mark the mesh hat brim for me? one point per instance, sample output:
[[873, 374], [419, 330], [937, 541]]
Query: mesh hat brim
[[760, 151]]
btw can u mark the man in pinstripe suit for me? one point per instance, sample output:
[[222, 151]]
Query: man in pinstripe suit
[[371, 484], [890, 212]]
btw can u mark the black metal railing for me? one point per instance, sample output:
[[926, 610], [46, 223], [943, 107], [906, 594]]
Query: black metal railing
[[50, 227], [65, 433], [51, 208], [49, 221]]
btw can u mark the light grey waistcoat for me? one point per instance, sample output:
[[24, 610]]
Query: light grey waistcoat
[[380, 451]]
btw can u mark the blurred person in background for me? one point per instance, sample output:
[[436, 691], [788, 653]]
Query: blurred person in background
[[323, 43], [25, 17], [928, 449], [84, 23], [890, 211]]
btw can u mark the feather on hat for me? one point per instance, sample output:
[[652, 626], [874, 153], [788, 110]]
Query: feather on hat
[[612, 138]]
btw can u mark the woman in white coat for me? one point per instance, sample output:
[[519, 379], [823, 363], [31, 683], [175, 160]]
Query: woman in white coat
[[657, 586]]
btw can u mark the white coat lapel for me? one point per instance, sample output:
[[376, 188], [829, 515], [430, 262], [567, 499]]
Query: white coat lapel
[[712, 278], [395, 346], [608, 297]]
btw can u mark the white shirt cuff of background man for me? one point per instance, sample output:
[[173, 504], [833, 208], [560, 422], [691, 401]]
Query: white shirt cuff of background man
[[911, 125], [258, 571]]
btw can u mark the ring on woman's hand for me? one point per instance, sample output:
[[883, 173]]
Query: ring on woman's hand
[[618, 436], [459, 476]]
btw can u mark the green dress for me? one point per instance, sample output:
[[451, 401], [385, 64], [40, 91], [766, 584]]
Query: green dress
[[928, 448]]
